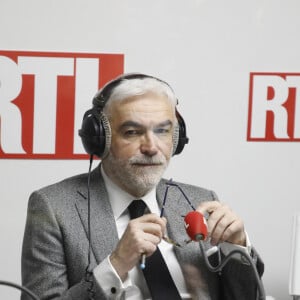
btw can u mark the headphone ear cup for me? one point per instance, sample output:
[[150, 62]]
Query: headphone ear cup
[[182, 138], [92, 134]]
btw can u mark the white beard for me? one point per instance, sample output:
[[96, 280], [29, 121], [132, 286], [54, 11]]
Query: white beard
[[132, 175]]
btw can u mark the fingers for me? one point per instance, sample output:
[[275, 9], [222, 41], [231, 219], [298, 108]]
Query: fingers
[[145, 234], [222, 223], [141, 236], [208, 206], [149, 223], [147, 231]]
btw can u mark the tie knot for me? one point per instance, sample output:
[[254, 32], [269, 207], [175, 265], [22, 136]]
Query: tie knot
[[136, 208]]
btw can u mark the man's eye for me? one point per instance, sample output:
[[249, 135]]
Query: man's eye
[[131, 132], [162, 130]]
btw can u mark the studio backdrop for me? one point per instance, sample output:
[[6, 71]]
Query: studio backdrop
[[234, 66]]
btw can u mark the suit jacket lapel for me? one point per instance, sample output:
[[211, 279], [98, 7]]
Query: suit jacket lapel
[[103, 230]]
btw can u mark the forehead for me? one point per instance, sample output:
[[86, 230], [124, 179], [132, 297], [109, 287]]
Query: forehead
[[143, 107]]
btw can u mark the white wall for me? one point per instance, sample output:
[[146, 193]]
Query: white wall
[[205, 50]]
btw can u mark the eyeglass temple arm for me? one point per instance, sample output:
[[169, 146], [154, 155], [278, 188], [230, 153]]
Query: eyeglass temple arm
[[171, 183]]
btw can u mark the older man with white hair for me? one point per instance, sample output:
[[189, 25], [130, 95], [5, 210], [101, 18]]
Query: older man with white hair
[[85, 236]]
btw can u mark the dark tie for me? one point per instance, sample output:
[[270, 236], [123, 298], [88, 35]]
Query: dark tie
[[157, 275]]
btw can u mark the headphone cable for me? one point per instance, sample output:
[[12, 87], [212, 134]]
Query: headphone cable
[[88, 272]]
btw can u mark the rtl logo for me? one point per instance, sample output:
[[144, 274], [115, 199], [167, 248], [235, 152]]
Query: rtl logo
[[43, 96], [274, 107]]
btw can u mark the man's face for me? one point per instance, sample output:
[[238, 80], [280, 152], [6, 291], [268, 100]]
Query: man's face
[[142, 142]]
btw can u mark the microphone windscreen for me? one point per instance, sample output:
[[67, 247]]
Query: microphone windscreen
[[195, 225]]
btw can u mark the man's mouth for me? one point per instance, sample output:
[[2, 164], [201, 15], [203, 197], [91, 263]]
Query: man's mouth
[[147, 164]]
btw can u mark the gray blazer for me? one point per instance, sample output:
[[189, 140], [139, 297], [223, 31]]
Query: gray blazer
[[55, 245]]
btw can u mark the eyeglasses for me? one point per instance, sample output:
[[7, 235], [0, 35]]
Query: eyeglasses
[[170, 183]]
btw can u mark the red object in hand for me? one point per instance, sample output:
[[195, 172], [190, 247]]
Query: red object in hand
[[195, 225]]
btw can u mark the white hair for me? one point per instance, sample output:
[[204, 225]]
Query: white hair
[[128, 88]]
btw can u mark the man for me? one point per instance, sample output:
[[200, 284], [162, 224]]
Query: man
[[86, 222]]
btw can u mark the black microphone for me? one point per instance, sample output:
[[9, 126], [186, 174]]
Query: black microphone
[[196, 228]]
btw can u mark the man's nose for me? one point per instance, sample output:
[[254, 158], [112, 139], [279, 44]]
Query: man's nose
[[148, 144]]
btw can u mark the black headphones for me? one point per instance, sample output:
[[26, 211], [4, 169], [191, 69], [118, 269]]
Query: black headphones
[[95, 130]]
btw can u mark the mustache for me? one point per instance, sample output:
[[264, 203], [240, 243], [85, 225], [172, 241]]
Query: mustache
[[146, 160]]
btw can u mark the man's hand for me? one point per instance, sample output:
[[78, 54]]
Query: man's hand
[[223, 224], [141, 236]]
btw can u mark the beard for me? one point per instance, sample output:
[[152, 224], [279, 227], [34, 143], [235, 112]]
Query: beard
[[137, 175]]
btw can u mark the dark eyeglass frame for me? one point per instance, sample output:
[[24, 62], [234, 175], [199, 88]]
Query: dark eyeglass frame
[[170, 183]]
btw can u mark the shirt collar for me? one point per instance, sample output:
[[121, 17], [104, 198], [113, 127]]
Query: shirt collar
[[119, 199]]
